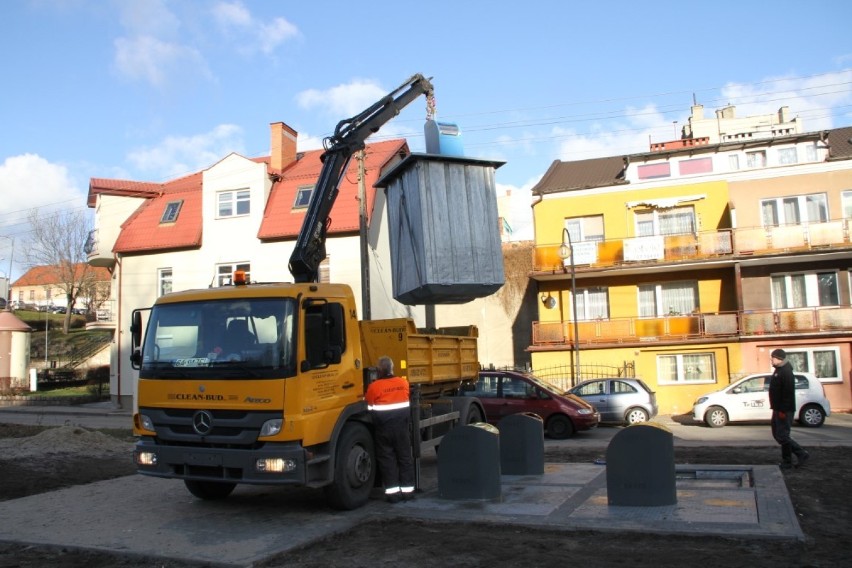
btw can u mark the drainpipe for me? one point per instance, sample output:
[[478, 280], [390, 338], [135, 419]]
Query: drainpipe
[[118, 331]]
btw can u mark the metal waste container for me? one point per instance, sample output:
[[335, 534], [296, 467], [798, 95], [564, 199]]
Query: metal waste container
[[469, 463], [522, 444]]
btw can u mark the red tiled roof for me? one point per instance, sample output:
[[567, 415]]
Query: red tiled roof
[[121, 187], [281, 221], [46, 275], [143, 231]]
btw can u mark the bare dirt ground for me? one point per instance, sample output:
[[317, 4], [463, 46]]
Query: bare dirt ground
[[35, 459]]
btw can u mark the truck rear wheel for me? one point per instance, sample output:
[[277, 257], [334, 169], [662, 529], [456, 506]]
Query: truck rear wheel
[[354, 469], [209, 490]]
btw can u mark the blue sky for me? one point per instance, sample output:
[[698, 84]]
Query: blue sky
[[154, 89]]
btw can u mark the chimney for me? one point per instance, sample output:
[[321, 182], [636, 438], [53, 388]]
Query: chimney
[[282, 151]]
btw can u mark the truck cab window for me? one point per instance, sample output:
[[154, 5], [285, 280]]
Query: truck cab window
[[325, 337]]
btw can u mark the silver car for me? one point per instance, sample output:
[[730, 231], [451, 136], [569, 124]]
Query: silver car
[[748, 400], [623, 401]]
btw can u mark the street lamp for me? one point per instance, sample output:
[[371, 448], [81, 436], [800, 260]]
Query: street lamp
[[566, 251]]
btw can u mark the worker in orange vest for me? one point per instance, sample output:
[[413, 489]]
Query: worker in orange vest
[[387, 400]]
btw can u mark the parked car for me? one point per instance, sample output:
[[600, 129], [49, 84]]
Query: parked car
[[503, 393], [747, 400], [619, 400]]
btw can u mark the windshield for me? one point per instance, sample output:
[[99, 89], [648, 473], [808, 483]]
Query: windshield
[[246, 338]]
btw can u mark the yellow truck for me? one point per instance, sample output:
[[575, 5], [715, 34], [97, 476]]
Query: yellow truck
[[264, 383]]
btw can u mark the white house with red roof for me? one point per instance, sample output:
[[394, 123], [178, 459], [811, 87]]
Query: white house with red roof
[[194, 231]]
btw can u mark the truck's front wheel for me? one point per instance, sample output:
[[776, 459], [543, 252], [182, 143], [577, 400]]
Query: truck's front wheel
[[354, 470], [209, 490]]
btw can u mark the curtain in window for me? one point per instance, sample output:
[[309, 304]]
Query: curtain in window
[[779, 292], [667, 367], [647, 301], [799, 361], [791, 211], [644, 223], [592, 304], [798, 294], [825, 364], [817, 208], [698, 367], [679, 298], [770, 213], [677, 221]]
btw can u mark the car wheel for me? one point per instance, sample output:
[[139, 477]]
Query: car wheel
[[811, 416], [716, 417], [560, 427], [209, 490], [636, 416]]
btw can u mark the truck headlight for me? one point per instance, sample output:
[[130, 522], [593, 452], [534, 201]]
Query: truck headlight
[[275, 465], [146, 458], [146, 423], [271, 427]]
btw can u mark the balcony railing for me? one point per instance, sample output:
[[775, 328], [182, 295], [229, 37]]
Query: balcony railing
[[732, 243], [694, 326]]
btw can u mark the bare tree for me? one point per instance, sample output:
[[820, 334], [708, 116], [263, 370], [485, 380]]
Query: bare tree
[[56, 242]]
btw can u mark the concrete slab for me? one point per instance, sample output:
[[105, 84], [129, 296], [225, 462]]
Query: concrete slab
[[153, 517]]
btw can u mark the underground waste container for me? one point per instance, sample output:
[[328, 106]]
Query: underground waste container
[[522, 444], [469, 463]]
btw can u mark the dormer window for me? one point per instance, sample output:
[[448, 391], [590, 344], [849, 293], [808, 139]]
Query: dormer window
[[303, 196], [170, 213]]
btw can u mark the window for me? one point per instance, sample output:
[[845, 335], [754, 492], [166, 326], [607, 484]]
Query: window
[[164, 279], [48, 294], [652, 171], [811, 152], [756, 159], [846, 199], [170, 213], [674, 221], [592, 303], [225, 273], [668, 299], [686, 368], [696, 166], [823, 362], [325, 335], [794, 210], [787, 156], [589, 228], [303, 196], [234, 203], [734, 162], [805, 290]]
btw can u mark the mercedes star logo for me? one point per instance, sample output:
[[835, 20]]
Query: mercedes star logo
[[202, 422]]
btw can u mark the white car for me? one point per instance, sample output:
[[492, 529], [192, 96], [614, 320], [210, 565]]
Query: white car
[[748, 400]]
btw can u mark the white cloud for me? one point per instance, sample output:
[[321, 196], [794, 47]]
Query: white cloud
[[254, 35], [35, 183], [148, 59], [343, 100], [182, 155]]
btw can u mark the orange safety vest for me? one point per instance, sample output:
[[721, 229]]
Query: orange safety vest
[[390, 393]]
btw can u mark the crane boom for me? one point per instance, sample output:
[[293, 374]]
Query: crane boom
[[349, 137]]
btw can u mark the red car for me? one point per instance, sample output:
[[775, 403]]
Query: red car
[[510, 392]]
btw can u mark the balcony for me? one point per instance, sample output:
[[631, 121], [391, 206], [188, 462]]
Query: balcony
[[730, 244], [675, 329], [96, 255]]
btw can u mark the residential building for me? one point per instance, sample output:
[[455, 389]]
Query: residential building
[[245, 213], [691, 262], [42, 287]]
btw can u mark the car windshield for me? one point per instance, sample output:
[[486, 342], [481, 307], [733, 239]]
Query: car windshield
[[246, 338]]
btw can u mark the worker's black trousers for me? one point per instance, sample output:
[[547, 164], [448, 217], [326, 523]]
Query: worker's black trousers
[[393, 449]]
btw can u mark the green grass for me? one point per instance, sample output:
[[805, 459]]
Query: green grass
[[66, 392]]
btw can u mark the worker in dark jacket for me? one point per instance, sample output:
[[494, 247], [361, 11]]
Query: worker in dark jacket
[[782, 400], [387, 400]]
